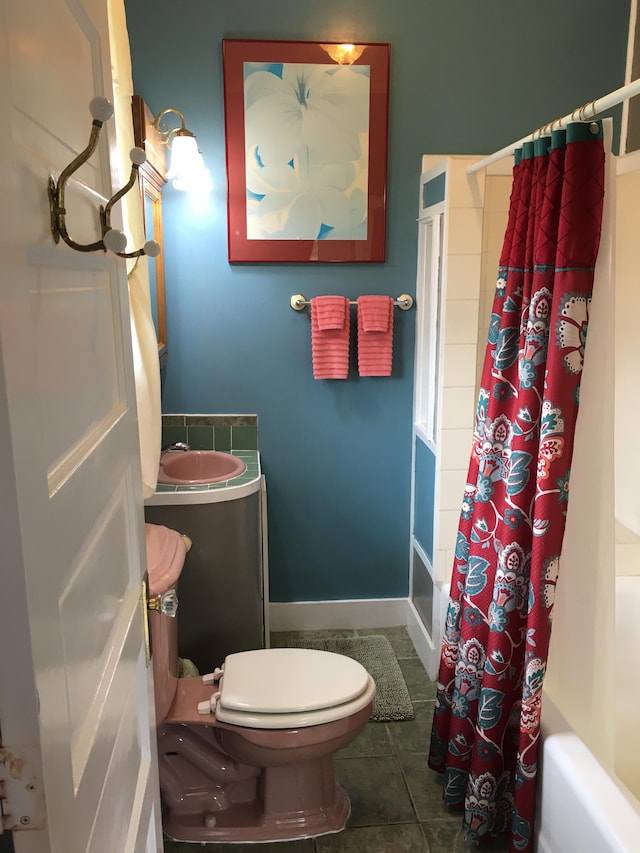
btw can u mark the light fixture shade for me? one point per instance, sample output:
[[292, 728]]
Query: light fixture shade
[[344, 54], [184, 160], [197, 180]]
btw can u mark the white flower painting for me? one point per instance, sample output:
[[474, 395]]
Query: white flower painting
[[306, 151]]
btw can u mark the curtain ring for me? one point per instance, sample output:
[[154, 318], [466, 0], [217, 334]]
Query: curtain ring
[[583, 110]]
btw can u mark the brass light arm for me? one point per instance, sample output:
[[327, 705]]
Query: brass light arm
[[167, 133]]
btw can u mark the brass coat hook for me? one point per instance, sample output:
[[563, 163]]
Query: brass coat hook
[[111, 239], [114, 240]]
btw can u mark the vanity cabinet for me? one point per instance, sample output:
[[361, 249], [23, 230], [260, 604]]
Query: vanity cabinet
[[220, 591]]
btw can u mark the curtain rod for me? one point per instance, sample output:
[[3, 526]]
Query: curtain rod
[[582, 113]]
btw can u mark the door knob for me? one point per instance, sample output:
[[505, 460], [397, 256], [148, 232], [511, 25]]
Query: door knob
[[166, 603]]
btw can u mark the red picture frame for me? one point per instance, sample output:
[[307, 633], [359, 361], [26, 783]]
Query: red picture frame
[[319, 106]]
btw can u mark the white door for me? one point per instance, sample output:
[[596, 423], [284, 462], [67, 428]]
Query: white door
[[74, 686]]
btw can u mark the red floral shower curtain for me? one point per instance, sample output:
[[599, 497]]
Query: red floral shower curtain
[[486, 722]]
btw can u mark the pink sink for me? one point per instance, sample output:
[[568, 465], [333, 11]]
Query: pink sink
[[193, 467]]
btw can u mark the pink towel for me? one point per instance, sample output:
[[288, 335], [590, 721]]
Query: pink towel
[[375, 335], [330, 337]]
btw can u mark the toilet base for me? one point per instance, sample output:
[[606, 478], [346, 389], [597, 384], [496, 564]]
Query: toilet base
[[226, 783], [320, 807], [243, 824]]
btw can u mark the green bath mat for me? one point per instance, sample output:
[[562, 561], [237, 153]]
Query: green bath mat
[[376, 655]]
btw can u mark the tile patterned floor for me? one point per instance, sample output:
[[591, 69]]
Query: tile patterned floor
[[396, 801]]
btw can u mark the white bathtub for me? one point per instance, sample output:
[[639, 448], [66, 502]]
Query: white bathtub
[[627, 672], [581, 806]]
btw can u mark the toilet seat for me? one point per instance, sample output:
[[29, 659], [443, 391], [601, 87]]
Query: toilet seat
[[290, 688]]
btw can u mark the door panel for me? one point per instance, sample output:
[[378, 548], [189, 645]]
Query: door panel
[[77, 321], [69, 425]]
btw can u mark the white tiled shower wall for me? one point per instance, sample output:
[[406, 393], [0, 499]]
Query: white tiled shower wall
[[627, 468], [476, 217], [627, 344], [496, 212]]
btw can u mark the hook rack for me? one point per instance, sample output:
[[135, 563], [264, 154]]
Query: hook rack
[[299, 302], [111, 239]]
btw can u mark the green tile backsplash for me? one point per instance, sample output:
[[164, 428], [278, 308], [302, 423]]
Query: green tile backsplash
[[222, 437], [211, 432], [244, 437], [200, 438], [171, 434], [173, 420]]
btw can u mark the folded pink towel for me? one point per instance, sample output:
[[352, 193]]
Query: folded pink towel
[[375, 335], [330, 342], [330, 312], [374, 311]]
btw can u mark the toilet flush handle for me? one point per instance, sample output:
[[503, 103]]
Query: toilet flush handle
[[166, 603]]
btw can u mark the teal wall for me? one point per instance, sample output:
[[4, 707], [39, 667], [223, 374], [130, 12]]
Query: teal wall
[[466, 77]]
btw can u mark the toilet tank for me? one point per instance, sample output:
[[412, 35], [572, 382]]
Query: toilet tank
[[166, 551]]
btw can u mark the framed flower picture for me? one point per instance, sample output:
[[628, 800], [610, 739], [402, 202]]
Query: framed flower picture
[[306, 150]]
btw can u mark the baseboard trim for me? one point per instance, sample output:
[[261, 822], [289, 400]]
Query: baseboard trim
[[361, 613], [324, 615]]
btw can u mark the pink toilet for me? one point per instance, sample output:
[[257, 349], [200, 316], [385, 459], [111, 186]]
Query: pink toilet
[[246, 753]]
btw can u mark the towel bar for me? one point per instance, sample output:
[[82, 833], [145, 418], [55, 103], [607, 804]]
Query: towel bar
[[298, 302]]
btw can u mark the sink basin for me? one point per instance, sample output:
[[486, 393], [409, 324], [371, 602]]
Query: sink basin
[[194, 467]]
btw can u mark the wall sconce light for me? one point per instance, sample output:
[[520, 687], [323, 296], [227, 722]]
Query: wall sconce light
[[187, 170], [111, 239], [344, 54]]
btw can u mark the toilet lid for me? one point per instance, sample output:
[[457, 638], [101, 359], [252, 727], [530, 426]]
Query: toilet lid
[[299, 719], [282, 681]]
